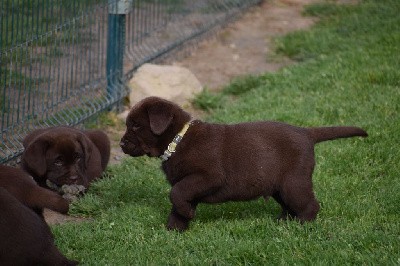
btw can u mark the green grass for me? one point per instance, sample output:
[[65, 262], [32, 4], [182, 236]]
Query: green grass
[[348, 74]]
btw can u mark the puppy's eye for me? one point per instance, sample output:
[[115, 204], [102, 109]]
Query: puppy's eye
[[58, 163], [78, 157], [135, 127]]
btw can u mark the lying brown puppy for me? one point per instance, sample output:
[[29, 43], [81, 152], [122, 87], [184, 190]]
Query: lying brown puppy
[[216, 163], [65, 155], [25, 239], [24, 188]]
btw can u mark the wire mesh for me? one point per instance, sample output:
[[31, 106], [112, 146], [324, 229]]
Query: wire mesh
[[53, 55]]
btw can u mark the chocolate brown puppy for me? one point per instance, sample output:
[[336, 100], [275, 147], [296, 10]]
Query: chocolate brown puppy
[[25, 239], [22, 186], [65, 155], [215, 163]]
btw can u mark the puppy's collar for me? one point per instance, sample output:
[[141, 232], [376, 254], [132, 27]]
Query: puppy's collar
[[172, 146]]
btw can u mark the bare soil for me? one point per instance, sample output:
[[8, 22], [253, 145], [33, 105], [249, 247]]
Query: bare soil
[[244, 47]]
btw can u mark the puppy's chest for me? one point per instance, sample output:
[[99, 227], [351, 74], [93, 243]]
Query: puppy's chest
[[174, 171]]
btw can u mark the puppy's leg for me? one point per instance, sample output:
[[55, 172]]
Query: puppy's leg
[[181, 202], [299, 197], [41, 198], [189, 190], [286, 212]]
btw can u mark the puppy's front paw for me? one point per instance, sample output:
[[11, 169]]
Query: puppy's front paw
[[186, 211], [177, 222]]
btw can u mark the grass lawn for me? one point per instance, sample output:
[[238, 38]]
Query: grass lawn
[[348, 74]]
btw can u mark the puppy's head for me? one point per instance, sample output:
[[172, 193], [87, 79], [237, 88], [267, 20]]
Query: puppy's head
[[60, 155], [151, 125]]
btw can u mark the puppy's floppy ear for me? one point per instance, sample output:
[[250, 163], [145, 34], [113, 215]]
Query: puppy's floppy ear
[[32, 135], [34, 156], [86, 146], [102, 143], [160, 117]]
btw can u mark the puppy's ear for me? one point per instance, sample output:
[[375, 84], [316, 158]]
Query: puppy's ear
[[102, 143], [34, 156], [160, 117], [32, 135], [86, 146]]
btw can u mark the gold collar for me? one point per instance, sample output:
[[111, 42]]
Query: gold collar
[[172, 146]]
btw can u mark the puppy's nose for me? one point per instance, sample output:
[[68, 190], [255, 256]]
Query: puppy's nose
[[73, 177]]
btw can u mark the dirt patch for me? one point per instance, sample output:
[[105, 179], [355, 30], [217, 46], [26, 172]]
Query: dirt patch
[[52, 217], [245, 46], [242, 48]]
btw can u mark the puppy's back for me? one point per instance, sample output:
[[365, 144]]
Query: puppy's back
[[25, 239]]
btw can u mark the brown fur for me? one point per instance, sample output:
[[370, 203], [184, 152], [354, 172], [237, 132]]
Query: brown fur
[[217, 163], [65, 155], [24, 188], [25, 239]]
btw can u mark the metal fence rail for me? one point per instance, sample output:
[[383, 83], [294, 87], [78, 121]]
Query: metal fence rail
[[62, 61]]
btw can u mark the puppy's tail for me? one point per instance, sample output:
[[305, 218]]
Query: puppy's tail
[[319, 134]]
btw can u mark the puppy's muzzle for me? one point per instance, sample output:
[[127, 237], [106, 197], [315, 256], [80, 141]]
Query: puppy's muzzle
[[131, 147], [123, 144]]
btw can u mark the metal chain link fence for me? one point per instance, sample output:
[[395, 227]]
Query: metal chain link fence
[[63, 61]]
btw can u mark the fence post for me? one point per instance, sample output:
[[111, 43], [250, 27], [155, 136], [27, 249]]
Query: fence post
[[117, 10]]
